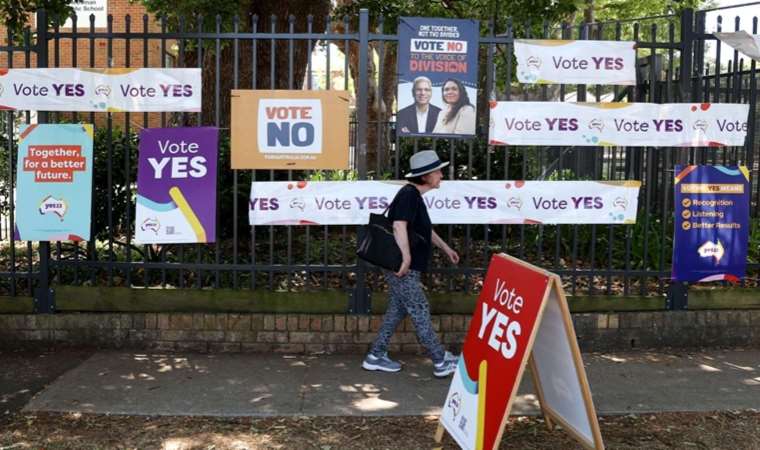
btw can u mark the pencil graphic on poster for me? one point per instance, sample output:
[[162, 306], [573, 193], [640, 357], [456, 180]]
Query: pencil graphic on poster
[[187, 211]]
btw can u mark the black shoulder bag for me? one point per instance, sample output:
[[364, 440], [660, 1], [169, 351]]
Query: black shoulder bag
[[377, 244]]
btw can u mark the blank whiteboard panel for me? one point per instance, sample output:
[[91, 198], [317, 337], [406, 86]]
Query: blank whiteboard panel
[[557, 372]]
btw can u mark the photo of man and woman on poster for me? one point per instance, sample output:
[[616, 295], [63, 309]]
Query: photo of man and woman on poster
[[438, 68]]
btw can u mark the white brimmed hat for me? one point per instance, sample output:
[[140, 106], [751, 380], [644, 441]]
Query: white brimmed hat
[[424, 162]]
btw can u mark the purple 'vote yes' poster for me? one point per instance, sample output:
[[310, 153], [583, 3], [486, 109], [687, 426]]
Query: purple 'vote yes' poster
[[176, 186]]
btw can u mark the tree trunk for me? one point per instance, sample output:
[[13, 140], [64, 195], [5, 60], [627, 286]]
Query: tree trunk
[[588, 12], [273, 67], [378, 142], [389, 90]]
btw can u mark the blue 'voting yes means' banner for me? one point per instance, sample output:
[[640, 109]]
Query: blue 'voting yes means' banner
[[711, 223]]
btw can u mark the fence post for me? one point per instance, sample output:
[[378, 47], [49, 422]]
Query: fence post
[[360, 302], [687, 50], [678, 292], [44, 298], [678, 296], [361, 95], [699, 56]]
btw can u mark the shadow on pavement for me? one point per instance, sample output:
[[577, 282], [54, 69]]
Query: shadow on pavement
[[24, 373]]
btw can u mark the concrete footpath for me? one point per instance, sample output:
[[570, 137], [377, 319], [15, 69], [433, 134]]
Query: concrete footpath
[[334, 385]]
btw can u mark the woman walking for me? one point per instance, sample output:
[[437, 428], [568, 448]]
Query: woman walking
[[409, 216]]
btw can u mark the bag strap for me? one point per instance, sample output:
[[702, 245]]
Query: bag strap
[[385, 213], [396, 196]]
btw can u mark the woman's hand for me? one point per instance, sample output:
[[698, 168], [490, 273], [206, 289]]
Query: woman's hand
[[404, 269], [440, 243], [453, 255]]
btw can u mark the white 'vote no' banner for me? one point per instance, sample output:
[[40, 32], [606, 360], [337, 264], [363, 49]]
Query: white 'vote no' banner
[[618, 124], [101, 90], [542, 61], [456, 202]]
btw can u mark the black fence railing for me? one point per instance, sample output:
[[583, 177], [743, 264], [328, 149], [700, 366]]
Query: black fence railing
[[677, 62]]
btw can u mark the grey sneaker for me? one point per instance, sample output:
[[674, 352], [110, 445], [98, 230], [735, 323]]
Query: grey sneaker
[[445, 367], [448, 356], [382, 363]]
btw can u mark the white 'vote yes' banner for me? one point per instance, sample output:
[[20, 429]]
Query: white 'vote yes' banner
[[541, 61], [743, 42], [618, 124], [101, 90], [456, 202]]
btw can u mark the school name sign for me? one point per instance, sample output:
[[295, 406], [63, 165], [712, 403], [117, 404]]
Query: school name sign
[[456, 202], [101, 90], [618, 124]]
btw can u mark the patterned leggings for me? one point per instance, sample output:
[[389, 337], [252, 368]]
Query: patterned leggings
[[407, 297]]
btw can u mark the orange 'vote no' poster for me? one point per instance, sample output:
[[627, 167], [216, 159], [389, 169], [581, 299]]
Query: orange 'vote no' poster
[[281, 129]]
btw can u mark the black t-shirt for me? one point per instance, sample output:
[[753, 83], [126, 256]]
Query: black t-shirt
[[409, 206]]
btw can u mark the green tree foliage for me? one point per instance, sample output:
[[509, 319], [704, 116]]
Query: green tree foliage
[[664, 14], [121, 149], [521, 11], [606, 10], [173, 10], [14, 14]]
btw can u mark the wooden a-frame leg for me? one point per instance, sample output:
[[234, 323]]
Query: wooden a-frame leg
[[439, 433]]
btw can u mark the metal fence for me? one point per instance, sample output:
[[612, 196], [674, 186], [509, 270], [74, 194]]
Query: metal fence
[[677, 62]]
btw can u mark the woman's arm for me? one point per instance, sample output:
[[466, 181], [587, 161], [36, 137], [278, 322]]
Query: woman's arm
[[465, 121], [440, 243], [402, 239]]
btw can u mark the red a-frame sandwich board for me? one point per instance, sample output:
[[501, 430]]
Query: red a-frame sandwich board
[[521, 317]]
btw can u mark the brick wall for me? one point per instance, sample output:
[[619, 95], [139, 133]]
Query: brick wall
[[61, 54], [64, 50], [305, 333]]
